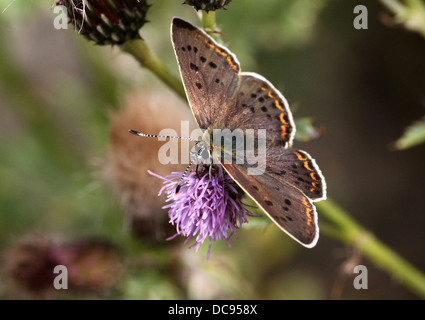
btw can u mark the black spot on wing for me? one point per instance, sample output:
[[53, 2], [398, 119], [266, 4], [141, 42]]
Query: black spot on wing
[[194, 67], [269, 203]]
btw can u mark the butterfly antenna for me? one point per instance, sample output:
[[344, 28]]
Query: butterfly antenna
[[141, 134], [179, 184]]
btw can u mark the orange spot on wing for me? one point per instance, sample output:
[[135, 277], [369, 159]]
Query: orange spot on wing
[[307, 211], [232, 65], [282, 118], [277, 104], [307, 166], [264, 89], [299, 156], [270, 94], [224, 54], [283, 135], [312, 175], [209, 43]]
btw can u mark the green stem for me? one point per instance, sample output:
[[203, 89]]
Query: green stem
[[209, 25], [351, 233], [141, 51], [208, 20]]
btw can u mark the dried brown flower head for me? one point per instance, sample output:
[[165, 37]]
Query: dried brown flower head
[[130, 157]]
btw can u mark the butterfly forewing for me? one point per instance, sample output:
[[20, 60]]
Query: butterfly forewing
[[209, 72]]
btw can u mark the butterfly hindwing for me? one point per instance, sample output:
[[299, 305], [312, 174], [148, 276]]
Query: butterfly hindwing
[[286, 205], [209, 72], [299, 169], [257, 104]]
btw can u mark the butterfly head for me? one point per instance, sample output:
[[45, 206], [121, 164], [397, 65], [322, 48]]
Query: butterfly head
[[202, 154]]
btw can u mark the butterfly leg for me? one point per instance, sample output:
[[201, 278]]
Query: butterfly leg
[[197, 173]]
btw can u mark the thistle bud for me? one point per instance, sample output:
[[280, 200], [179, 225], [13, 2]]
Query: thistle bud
[[107, 21], [207, 5], [30, 264], [92, 264]]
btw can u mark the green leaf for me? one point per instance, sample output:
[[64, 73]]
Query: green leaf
[[306, 131], [414, 135]]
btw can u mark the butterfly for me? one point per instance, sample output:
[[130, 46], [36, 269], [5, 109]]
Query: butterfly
[[222, 97]]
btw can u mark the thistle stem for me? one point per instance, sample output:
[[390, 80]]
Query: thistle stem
[[141, 51], [208, 19], [209, 25]]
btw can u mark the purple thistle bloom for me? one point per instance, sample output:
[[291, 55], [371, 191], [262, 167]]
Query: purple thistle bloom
[[208, 206]]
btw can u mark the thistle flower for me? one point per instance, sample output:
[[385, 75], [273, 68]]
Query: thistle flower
[[208, 206], [207, 5], [107, 21]]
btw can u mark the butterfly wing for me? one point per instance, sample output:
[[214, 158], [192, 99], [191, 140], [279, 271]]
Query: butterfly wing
[[298, 169], [257, 104], [286, 206], [220, 95], [209, 72], [285, 191]]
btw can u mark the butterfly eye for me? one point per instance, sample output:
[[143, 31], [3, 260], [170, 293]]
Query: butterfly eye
[[205, 154], [198, 147]]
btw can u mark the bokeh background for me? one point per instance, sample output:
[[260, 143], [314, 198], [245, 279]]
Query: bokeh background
[[73, 182]]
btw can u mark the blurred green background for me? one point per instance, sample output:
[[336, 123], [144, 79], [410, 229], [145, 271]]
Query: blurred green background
[[365, 87]]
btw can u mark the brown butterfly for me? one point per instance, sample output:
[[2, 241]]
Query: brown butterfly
[[223, 97]]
